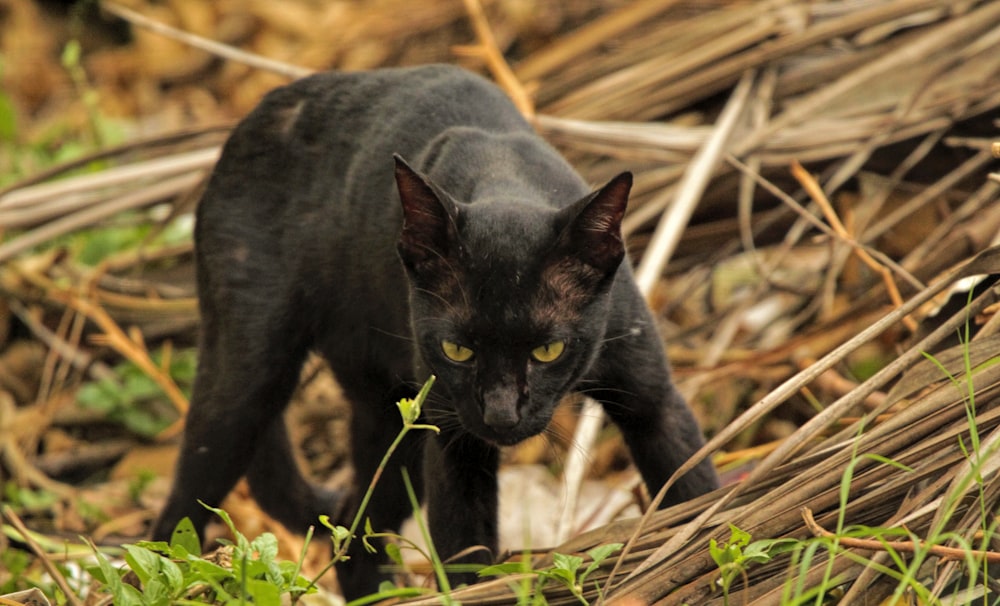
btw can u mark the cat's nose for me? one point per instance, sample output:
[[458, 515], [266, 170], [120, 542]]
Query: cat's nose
[[500, 409]]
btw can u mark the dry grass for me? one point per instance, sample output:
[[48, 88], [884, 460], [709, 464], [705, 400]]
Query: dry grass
[[775, 282]]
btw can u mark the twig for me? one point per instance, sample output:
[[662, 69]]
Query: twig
[[133, 349], [591, 419], [912, 54], [689, 191], [928, 194], [216, 48], [823, 227], [498, 66], [953, 553], [20, 467], [31, 197], [52, 569], [571, 46], [14, 458], [88, 216], [126, 148], [812, 187]]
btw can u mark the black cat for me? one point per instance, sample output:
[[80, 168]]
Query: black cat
[[489, 263]]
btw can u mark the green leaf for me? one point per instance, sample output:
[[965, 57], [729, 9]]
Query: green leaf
[[395, 554], [154, 593], [601, 552], [208, 570], [738, 537], [342, 533], [566, 577], [186, 537], [566, 562], [144, 563], [338, 534], [126, 595], [326, 521], [225, 518], [598, 555], [172, 574], [266, 546], [263, 593], [71, 54], [410, 409], [722, 554], [564, 569], [101, 395], [504, 569], [123, 593], [8, 119], [368, 533]]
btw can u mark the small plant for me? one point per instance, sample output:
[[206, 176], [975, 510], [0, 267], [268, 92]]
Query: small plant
[[26, 499], [242, 571], [23, 154], [341, 536], [409, 410], [908, 553], [134, 399], [736, 555], [567, 570]]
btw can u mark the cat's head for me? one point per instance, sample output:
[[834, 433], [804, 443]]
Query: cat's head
[[509, 301]]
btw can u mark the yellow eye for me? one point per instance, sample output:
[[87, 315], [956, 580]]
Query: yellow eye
[[456, 352], [549, 352]]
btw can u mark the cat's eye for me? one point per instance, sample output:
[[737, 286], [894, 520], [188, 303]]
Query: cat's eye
[[456, 352], [549, 352]]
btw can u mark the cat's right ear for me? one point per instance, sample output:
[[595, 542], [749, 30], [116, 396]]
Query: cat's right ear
[[427, 222], [593, 234]]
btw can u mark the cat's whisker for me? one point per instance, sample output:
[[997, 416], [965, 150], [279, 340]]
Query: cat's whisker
[[623, 407], [602, 389], [623, 335], [408, 338], [588, 415]]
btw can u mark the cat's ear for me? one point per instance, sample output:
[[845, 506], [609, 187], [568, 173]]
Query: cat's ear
[[428, 218], [593, 232]]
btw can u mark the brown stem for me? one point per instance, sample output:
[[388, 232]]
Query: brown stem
[[814, 190], [952, 553], [50, 567], [498, 66]]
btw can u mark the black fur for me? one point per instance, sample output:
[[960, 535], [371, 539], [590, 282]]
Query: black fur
[[309, 237]]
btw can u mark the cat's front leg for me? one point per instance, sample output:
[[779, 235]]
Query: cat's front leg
[[460, 474], [633, 384]]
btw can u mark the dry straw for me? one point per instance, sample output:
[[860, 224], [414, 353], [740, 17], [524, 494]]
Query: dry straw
[[887, 104]]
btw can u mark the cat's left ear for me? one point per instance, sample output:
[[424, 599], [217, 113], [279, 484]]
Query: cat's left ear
[[594, 232], [428, 219]]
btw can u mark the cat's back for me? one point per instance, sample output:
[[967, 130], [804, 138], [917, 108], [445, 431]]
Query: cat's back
[[331, 137], [354, 116]]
